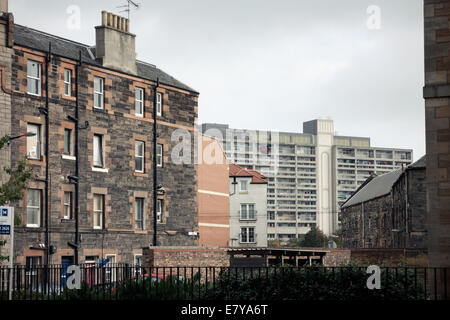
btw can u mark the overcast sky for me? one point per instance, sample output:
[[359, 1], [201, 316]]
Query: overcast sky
[[272, 65]]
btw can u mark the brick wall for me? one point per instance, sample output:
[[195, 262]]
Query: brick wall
[[213, 194], [185, 257]]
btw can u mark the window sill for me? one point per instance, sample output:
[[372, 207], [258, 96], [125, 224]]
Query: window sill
[[67, 157], [70, 97], [247, 220], [35, 94], [103, 170], [32, 226], [99, 110], [140, 232], [140, 174]]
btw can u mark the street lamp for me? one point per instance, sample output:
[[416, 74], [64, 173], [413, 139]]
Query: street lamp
[[28, 134]]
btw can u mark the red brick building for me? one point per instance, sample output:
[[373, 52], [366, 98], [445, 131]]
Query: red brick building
[[213, 194]]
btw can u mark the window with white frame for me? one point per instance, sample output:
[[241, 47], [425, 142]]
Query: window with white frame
[[139, 213], [68, 205], [99, 201], [139, 102], [248, 211], [244, 186], [67, 82], [68, 146], [110, 268], [159, 211], [248, 235], [34, 143], [159, 155], [34, 77], [34, 208], [159, 104], [98, 93], [32, 265], [139, 156], [137, 264], [99, 151]]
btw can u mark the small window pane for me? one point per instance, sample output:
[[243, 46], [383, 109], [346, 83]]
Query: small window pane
[[98, 151], [67, 81], [67, 141], [139, 217], [139, 155], [33, 207], [67, 205], [34, 142]]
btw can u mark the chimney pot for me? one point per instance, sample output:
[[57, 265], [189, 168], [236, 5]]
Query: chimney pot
[[104, 18], [110, 19]]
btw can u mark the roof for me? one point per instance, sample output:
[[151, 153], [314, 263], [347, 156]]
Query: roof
[[38, 40], [237, 171], [419, 164], [377, 187]]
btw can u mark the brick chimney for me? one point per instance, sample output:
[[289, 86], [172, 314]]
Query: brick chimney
[[115, 45]]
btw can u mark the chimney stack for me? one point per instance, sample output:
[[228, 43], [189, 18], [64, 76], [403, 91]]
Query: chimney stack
[[4, 6], [115, 45]]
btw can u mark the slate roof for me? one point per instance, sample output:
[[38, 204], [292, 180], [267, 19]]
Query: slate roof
[[379, 186], [38, 40], [419, 164], [237, 171]]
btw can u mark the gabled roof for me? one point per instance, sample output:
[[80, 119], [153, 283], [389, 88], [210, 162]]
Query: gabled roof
[[419, 164], [38, 40], [375, 187], [239, 172]]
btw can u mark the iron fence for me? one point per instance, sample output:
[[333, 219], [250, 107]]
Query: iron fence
[[130, 282]]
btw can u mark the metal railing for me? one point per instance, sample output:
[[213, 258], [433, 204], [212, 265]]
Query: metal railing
[[128, 282]]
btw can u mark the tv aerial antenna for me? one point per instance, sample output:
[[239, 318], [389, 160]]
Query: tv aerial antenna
[[130, 4]]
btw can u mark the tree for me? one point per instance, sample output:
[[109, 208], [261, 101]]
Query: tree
[[315, 239], [295, 242], [12, 190]]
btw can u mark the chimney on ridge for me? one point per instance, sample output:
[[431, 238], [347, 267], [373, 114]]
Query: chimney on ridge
[[115, 45]]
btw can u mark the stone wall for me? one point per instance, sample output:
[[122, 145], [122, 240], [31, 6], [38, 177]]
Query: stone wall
[[402, 210], [5, 109], [437, 113]]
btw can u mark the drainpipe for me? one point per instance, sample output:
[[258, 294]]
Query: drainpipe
[[77, 160], [155, 167], [47, 202], [363, 226], [406, 209]]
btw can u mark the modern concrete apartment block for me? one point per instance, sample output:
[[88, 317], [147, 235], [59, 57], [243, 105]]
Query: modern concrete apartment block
[[248, 208], [310, 174]]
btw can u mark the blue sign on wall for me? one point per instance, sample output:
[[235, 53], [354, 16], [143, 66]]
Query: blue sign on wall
[[5, 229], [4, 212]]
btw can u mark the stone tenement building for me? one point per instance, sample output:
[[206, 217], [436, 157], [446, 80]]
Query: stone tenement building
[[388, 211], [115, 94]]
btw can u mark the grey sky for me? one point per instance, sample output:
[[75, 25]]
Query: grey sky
[[274, 64]]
